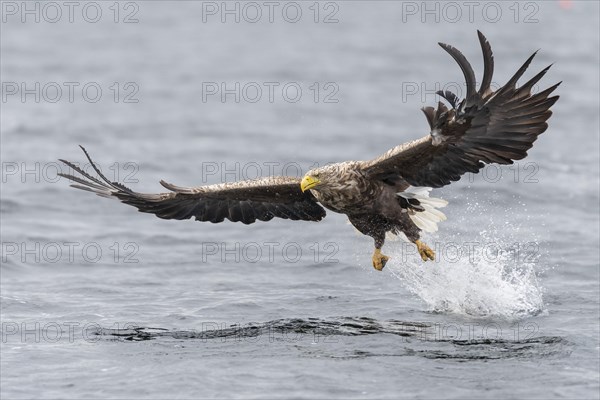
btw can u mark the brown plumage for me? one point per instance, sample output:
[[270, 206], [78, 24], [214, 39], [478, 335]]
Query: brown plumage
[[387, 194]]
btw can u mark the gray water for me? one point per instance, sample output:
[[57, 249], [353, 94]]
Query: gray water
[[99, 301]]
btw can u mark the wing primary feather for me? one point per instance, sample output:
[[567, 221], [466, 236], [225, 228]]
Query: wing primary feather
[[82, 172], [488, 65], [526, 88], [101, 175], [84, 182], [464, 66], [94, 166], [543, 95], [513, 81]]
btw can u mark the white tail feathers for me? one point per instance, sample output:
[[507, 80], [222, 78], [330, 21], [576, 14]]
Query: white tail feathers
[[427, 219]]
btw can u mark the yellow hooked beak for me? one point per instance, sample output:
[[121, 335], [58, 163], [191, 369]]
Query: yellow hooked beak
[[308, 182]]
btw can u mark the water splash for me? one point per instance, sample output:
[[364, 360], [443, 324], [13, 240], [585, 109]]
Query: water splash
[[484, 274]]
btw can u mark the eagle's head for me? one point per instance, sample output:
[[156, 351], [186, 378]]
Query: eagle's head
[[322, 178]]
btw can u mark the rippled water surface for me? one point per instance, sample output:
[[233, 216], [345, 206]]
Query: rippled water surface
[[99, 301]]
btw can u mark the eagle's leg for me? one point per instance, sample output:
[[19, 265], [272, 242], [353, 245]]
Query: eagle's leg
[[379, 259], [374, 226], [425, 251]]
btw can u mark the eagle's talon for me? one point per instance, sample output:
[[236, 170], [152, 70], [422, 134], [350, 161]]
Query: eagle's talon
[[425, 251], [379, 260]]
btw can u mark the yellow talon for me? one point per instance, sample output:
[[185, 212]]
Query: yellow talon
[[424, 251], [379, 260]]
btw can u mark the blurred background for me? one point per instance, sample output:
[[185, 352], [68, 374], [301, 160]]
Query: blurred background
[[205, 92]]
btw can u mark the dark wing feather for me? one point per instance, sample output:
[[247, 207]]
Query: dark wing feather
[[465, 66], [488, 127], [244, 201], [488, 66]]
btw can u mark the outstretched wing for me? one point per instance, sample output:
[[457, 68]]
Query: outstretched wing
[[486, 127], [244, 201]]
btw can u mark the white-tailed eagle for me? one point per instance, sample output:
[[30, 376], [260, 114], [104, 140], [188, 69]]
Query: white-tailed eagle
[[387, 194]]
